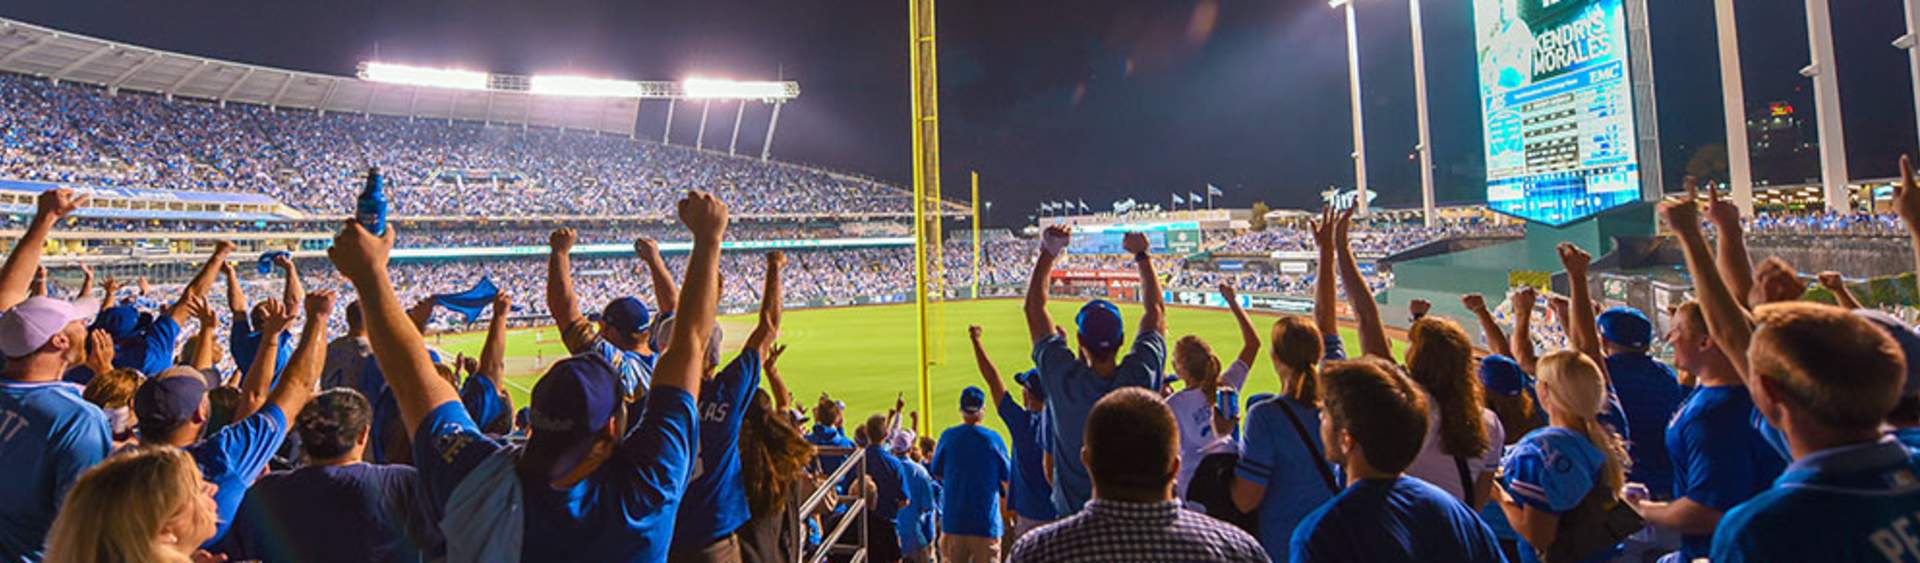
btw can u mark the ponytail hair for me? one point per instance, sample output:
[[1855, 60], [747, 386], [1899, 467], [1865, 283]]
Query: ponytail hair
[[1298, 346], [1571, 383], [1193, 359]]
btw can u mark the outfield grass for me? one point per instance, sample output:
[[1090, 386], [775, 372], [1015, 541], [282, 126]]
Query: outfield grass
[[865, 355]]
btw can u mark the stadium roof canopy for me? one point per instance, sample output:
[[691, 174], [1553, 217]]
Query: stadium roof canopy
[[39, 51]]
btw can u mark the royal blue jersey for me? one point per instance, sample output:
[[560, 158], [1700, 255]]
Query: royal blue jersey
[[1286, 461], [889, 480], [150, 349], [829, 437], [244, 343], [716, 486], [353, 512], [913, 525], [1398, 519], [1028, 490], [236, 454], [971, 463], [1851, 503], [1909, 435], [484, 403], [1719, 460], [1072, 388], [48, 436], [1649, 394], [623, 511]]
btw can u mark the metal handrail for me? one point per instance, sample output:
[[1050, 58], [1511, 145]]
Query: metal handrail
[[853, 455], [846, 521], [856, 510]]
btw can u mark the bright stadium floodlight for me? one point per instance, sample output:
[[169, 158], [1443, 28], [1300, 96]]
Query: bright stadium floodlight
[[423, 76], [553, 85], [706, 88]]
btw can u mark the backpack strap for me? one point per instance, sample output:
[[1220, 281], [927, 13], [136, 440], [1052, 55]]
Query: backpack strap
[[1319, 461]]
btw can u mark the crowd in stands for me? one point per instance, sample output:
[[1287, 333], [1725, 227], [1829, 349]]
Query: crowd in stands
[[1371, 240], [80, 134], [1782, 431]]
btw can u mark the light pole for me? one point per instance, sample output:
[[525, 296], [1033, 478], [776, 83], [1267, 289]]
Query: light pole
[[1826, 101], [1353, 90], [1734, 99], [1913, 55], [1420, 108]]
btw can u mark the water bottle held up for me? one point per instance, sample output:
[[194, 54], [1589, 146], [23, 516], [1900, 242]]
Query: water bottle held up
[[371, 209]]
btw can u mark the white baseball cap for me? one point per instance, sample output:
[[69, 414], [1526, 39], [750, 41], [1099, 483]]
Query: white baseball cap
[[29, 325]]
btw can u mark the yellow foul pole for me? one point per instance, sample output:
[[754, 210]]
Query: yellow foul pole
[[975, 294], [926, 183]]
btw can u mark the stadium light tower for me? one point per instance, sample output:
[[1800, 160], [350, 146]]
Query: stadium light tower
[[1826, 101], [1420, 107], [1906, 42], [1353, 91], [1733, 98]]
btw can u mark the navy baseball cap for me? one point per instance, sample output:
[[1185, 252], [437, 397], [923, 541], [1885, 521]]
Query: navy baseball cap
[[1502, 376], [120, 321], [1030, 380], [972, 399], [1908, 340], [626, 314], [166, 401], [1625, 326], [1099, 322], [568, 406]]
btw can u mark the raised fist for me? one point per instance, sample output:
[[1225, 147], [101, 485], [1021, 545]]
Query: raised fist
[[1135, 243], [776, 259], [320, 302], [704, 214], [224, 247], [973, 332], [1474, 302], [360, 255], [1574, 259], [57, 203], [645, 247], [1419, 307], [561, 240], [1832, 281]]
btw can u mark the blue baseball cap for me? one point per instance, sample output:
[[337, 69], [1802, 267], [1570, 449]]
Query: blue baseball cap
[[120, 321], [626, 314], [1625, 326], [972, 399], [1099, 322], [1908, 340], [1502, 376], [164, 402], [568, 406], [1030, 380]]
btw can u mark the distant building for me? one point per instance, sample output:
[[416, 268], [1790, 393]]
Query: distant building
[[1781, 151]]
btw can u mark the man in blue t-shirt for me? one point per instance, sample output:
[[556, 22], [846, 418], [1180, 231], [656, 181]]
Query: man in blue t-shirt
[[336, 507], [1373, 419], [146, 344], [971, 464], [585, 489], [1028, 494], [172, 409], [625, 336], [1823, 376], [889, 479], [707, 534], [1648, 391], [244, 339], [1719, 460], [826, 433], [1075, 381], [48, 433]]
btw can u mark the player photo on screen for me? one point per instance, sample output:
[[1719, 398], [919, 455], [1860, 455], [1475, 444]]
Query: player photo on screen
[[1556, 103]]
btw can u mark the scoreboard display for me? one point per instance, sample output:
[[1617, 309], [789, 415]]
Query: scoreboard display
[[1178, 238], [1556, 102]]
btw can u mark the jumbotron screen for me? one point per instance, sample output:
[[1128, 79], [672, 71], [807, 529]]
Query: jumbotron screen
[[1556, 102]]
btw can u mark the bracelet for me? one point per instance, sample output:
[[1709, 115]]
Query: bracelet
[[1139, 256]]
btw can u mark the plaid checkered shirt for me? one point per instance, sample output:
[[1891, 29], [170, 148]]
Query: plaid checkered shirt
[[1132, 531]]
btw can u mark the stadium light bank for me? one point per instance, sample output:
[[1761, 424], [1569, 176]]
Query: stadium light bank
[[704, 90]]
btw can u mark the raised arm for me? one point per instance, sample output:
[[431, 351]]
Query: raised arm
[[666, 296], [206, 340], [1906, 202], [770, 307], [1249, 338], [258, 382], [1838, 287], [17, 274], [1366, 313], [236, 299], [1523, 301], [38, 287], [86, 283], [561, 302], [680, 366], [1735, 266], [493, 354], [1583, 333], [1490, 328], [397, 346], [990, 374], [1052, 243], [201, 281], [1155, 318], [110, 288], [782, 398], [1727, 320], [1326, 310], [303, 369], [293, 290]]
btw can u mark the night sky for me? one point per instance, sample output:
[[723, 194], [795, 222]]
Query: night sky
[[1057, 99]]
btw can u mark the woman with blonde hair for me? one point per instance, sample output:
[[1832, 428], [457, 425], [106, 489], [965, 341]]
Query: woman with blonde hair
[[147, 504], [1201, 373], [1558, 483]]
